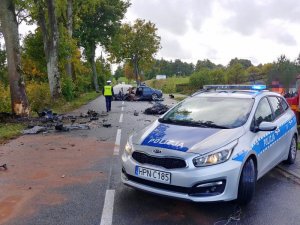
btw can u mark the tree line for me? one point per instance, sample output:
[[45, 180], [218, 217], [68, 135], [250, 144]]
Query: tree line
[[238, 71]]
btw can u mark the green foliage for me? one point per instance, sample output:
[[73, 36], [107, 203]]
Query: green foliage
[[38, 95], [246, 63], [168, 85], [67, 88], [236, 74], [206, 64], [103, 71], [3, 67], [4, 99], [141, 41], [119, 73]]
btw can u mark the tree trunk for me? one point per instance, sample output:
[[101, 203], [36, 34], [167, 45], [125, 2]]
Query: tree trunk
[[93, 64], [19, 102], [50, 39], [69, 65], [136, 69]]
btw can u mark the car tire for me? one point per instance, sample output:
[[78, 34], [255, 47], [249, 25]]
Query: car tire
[[247, 182], [292, 151], [154, 97]]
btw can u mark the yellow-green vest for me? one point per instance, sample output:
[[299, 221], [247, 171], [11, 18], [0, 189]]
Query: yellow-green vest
[[107, 90]]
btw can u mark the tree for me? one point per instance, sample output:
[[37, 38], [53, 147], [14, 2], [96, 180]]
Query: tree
[[204, 64], [9, 28], [236, 74], [98, 24], [119, 73], [244, 62], [138, 43], [50, 38]]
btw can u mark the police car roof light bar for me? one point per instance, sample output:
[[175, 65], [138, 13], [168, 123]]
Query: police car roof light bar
[[255, 87]]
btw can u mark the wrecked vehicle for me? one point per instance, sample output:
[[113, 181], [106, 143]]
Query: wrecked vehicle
[[124, 92], [212, 146]]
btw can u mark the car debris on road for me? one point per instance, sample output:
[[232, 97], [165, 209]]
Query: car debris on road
[[157, 109]]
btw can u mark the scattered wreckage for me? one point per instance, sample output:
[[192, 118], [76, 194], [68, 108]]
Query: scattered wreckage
[[49, 121]]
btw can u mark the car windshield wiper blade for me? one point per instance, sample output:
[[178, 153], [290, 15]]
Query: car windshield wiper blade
[[212, 125]]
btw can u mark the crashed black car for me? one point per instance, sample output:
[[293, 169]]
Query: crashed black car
[[144, 92]]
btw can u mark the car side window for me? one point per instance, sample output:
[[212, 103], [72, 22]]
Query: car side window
[[276, 105], [147, 90], [263, 112], [283, 103]]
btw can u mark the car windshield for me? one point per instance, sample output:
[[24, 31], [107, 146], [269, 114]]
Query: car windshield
[[214, 112]]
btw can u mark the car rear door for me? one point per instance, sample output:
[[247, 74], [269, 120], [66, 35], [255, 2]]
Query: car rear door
[[282, 134]]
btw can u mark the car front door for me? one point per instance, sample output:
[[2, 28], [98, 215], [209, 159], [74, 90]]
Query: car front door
[[261, 140]]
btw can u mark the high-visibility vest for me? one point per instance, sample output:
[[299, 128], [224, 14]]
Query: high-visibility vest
[[107, 90]]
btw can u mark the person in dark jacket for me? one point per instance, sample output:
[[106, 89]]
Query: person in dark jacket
[[108, 93]]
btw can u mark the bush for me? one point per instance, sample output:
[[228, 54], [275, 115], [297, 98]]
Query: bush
[[68, 88], [82, 84], [5, 103], [38, 96]]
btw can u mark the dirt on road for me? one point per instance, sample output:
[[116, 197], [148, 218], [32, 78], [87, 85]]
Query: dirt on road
[[39, 165]]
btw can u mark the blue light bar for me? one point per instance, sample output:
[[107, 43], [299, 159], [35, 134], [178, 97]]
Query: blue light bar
[[259, 87], [256, 87]]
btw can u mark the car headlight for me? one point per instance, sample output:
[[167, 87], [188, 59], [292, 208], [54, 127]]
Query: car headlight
[[128, 146], [216, 157]]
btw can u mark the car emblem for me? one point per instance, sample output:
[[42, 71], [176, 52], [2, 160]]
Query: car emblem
[[157, 151]]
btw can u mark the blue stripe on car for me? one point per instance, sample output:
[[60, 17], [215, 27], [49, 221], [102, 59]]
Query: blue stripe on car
[[180, 138], [265, 142]]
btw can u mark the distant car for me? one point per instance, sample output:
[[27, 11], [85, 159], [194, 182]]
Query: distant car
[[144, 92], [212, 146]]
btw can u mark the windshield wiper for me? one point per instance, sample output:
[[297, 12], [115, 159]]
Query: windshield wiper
[[192, 123]]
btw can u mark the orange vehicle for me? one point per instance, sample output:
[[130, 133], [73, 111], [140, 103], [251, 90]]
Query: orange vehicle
[[292, 95]]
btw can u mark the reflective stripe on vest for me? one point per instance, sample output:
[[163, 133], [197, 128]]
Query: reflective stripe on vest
[[107, 90]]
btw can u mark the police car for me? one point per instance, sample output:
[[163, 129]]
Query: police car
[[213, 146]]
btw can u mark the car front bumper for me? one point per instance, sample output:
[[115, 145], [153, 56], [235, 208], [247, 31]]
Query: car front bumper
[[185, 182]]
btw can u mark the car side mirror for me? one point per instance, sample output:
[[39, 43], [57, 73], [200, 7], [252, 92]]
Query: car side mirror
[[267, 126]]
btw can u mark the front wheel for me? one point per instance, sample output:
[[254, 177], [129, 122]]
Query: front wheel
[[247, 182], [292, 151]]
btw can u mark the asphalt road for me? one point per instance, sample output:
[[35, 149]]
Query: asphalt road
[[106, 201]]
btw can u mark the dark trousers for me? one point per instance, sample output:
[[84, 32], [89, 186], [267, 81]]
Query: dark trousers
[[108, 103]]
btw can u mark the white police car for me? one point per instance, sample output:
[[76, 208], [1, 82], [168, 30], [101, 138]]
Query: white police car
[[212, 146]]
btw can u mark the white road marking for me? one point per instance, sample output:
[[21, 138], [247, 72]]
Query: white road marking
[[122, 108], [108, 208], [121, 118], [117, 143], [123, 103]]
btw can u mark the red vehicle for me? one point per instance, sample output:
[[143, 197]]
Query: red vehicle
[[292, 96]]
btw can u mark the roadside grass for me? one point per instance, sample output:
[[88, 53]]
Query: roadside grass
[[168, 85], [62, 106], [12, 130]]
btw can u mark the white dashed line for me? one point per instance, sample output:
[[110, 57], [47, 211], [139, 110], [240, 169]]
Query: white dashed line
[[117, 143], [123, 103], [122, 108], [108, 208], [121, 118]]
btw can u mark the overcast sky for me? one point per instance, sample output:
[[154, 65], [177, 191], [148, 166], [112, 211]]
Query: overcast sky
[[219, 30]]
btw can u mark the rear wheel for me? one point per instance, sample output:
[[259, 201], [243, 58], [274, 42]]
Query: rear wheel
[[292, 152], [154, 97], [247, 182]]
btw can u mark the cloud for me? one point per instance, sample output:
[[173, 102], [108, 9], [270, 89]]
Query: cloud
[[174, 16], [251, 16], [171, 48]]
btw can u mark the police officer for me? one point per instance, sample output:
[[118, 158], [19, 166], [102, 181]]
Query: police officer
[[108, 92]]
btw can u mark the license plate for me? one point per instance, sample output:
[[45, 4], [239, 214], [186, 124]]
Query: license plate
[[155, 175]]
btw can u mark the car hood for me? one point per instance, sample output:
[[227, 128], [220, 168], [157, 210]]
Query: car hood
[[185, 139]]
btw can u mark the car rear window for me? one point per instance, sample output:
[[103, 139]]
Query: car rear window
[[222, 112]]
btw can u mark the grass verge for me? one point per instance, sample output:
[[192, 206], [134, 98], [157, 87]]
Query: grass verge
[[11, 130]]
